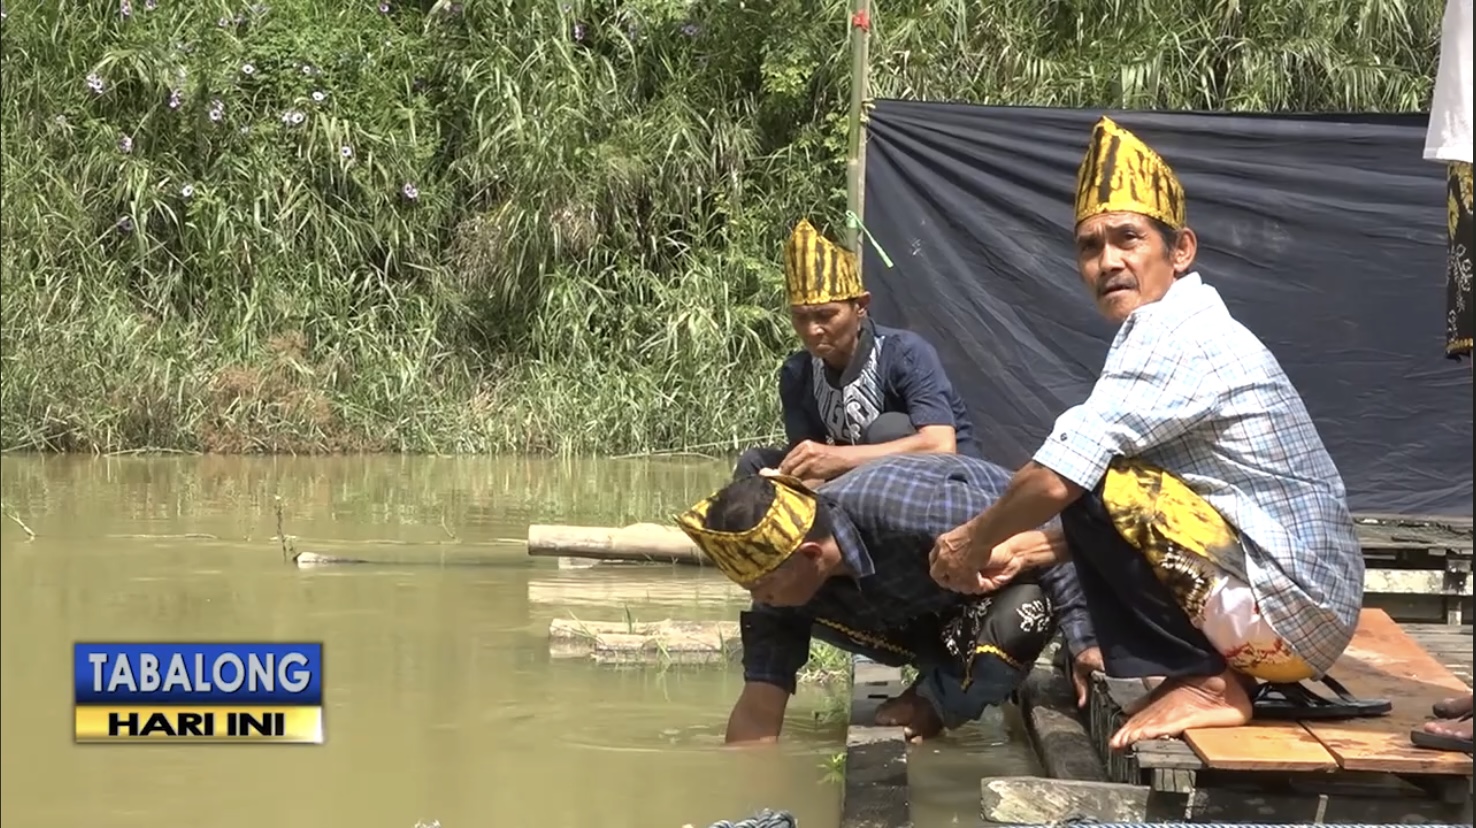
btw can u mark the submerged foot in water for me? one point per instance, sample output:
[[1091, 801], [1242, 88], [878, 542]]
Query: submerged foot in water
[[1181, 704]]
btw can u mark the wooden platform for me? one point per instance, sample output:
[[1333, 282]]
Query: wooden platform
[[1413, 668]]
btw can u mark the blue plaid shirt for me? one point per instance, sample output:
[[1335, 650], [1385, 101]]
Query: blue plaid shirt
[[886, 516], [1190, 390]]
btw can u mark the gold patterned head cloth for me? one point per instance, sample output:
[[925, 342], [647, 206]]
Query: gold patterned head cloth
[[1120, 173], [818, 271], [749, 555]]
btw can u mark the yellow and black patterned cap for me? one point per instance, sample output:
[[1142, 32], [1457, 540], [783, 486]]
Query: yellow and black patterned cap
[[1120, 173], [818, 271], [749, 555]]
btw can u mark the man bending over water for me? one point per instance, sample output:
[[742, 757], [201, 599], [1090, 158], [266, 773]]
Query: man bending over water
[[858, 391], [848, 564], [1208, 524]]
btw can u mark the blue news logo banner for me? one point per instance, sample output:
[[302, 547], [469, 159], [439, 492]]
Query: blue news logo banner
[[161, 673]]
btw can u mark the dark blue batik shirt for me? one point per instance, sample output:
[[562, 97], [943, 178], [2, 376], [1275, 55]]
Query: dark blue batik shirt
[[886, 515]]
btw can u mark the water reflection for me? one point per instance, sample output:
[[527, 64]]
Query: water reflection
[[443, 704]]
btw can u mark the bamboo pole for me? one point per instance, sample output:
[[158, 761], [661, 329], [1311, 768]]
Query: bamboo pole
[[644, 542], [856, 164]]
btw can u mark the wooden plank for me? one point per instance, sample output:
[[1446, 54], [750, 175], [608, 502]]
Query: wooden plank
[[1384, 662], [1055, 729], [1449, 644], [1261, 746]]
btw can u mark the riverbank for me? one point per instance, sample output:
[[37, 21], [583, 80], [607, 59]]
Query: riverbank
[[304, 228]]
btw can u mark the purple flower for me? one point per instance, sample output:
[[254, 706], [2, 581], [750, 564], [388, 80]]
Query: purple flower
[[95, 83], [578, 33], [125, 8], [176, 97], [690, 29], [410, 192], [125, 144], [124, 224], [217, 110]]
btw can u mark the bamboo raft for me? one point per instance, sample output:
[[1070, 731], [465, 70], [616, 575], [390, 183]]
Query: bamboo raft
[[665, 642]]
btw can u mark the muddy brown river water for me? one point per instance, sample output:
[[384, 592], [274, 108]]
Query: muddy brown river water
[[443, 705]]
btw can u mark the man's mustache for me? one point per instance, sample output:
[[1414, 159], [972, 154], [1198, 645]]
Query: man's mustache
[[1120, 282]]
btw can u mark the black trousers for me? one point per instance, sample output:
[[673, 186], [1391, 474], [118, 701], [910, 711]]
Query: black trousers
[[890, 426], [1141, 629]]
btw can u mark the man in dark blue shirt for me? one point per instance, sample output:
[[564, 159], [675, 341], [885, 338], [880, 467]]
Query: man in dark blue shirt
[[858, 391], [849, 564]]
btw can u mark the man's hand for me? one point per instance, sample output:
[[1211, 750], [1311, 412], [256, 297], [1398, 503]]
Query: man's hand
[[956, 564], [1082, 667], [813, 460]]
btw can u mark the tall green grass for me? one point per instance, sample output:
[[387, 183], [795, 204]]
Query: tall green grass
[[512, 225]]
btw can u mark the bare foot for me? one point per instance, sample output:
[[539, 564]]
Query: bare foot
[[1446, 727], [912, 713], [1181, 704], [1150, 684], [926, 724], [1454, 708], [897, 711]]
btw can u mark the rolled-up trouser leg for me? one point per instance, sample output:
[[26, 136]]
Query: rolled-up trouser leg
[[1017, 624], [754, 460], [887, 427]]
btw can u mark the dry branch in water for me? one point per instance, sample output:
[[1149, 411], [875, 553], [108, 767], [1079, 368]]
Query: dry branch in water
[[14, 518]]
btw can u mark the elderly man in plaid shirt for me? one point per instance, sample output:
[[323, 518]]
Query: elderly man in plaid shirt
[[848, 564], [1207, 523]]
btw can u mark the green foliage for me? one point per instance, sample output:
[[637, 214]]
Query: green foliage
[[505, 224]]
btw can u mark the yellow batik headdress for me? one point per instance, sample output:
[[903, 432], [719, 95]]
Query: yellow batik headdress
[[749, 555], [817, 270], [1120, 173]]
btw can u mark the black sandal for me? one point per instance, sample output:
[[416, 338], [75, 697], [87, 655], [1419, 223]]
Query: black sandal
[[1293, 701], [1422, 738]]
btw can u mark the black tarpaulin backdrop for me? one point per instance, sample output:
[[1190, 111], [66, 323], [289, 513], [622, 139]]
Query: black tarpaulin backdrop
[[1324, 234]]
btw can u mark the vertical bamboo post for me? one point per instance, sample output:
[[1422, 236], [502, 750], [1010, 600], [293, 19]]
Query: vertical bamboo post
[[856, 164]]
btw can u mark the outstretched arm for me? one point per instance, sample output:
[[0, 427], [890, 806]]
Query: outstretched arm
[[776, 644], [758, 715]]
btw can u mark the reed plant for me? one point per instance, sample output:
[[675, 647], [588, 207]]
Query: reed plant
[[506, 225]]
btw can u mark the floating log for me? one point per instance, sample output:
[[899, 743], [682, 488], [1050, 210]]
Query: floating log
[[644, 542], [655, 642], [314, 559]]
